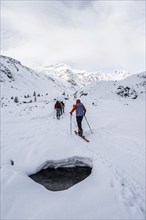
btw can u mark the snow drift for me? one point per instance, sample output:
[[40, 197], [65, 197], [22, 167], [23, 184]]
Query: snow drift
[[31, 136]]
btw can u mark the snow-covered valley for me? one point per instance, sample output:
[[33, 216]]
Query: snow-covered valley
[[33, 138]]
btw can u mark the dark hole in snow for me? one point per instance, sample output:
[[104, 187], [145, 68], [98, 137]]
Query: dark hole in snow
[[61, 178]]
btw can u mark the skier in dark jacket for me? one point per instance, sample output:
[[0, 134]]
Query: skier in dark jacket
[[80, 112], [63, 106], [57, 106]]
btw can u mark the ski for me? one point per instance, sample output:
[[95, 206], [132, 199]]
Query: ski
[[83, 137]]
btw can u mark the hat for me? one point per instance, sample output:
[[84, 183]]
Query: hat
[[77, 101]]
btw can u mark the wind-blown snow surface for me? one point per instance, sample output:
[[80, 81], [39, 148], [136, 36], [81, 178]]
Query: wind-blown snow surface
[[32, 137]]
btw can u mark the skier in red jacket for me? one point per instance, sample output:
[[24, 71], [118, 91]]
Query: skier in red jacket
[[80, 112]]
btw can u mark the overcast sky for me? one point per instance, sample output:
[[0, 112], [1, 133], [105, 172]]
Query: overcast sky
[[87, 35]]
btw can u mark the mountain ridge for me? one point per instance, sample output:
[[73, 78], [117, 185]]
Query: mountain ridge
[[17, 80], [64, 72]]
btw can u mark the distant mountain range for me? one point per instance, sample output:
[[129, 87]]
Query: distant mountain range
[[78, 78], [55, 80]]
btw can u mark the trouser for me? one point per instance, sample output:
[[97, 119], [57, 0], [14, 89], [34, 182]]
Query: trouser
[[58, 113], [79, 123]]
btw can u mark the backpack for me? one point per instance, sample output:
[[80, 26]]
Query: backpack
[[80, 109], [57, 105]]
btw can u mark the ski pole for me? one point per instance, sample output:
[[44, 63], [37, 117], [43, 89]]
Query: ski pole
[[88, 125], [70, 124], [54, 113]]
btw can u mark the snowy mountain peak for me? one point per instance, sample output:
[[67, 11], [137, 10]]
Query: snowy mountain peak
[[9, 60], [19, 80], [61, 79], [11, 69], [61, 66], [76, 79]]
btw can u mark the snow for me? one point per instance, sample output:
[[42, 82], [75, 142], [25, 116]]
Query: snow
[[114, 190], [80, 78], [33, 138]]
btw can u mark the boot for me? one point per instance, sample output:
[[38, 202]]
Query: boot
[[80, 132]]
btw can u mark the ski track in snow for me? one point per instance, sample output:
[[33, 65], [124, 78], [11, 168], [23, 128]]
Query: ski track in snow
[[127, 191]]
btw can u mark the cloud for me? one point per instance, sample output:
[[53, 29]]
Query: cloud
[[91, 35]]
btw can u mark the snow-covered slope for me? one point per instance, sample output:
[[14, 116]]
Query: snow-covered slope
[[18, 80], [51, 81], [32, 138], [132, 87]]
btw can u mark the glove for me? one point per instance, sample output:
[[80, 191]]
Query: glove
[[71, 113]]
